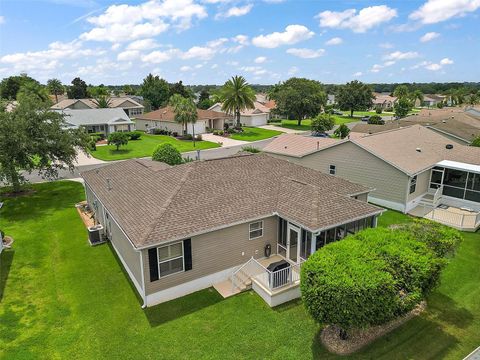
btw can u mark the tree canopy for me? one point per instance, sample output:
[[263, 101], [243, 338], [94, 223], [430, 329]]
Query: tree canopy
[[402, 107], [355, 96], [322, 123], [155, 90], [118, 139], [236, 96], [185, 111], [168, 154], [32, 137], [299, 98], [78, 89], [55, 87], [10, 86]]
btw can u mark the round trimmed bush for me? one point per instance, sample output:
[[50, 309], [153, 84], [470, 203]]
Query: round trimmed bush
[[168, 154]]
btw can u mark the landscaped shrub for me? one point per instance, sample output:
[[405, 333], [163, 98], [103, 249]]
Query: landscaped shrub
[[99, 135], [135, 135], [250, 149], [378, 109], [198, 137], [375, 275], [168, 154], [187, 137], [218, 132], [376, 120], [389, 109], [158, 131], [342, 131], [92, 144], [118, 139], [322, 123]]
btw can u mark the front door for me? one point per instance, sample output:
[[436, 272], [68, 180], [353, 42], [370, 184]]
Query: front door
[[292, 243], [436, 179]]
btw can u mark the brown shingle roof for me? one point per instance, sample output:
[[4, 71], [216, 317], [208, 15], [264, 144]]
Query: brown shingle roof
[[167, 114], [159, 205], [298, 145]]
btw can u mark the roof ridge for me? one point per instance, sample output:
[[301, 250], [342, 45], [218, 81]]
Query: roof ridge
[[176, 190]]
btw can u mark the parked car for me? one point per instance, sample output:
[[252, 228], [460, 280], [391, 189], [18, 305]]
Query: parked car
[[323, 135], [365, 118], [337, 112]]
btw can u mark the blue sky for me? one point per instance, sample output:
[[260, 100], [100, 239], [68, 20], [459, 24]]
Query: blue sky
[[207, 41]]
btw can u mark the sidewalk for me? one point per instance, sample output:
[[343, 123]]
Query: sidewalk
[[282, 129], [225, 141]]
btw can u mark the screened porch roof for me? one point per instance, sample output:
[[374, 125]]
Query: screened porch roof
[[456, 165]]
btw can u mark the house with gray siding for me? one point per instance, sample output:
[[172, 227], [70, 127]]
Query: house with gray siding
[[246, 221], [411, 169]]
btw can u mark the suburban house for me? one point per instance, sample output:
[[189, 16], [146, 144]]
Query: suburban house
[[164, 119], [232, 223], [458, 125], [384, 101], [412, 169], [103, 121], [131, 107], [430, 100], [331, 99], [257, 116]]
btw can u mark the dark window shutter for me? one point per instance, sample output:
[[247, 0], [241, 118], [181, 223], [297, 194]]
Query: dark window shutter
[[187, 254], [153, 263]]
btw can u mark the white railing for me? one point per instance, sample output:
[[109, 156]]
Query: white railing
[[437, 196], [277, 279], [251, 269], [462, 221]]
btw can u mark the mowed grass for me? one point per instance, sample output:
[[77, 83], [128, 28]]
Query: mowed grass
[[61, 298], [255, 134], [146, 145], [306, 124]]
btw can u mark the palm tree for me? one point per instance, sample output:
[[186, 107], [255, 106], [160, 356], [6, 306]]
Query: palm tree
[[185, 112], [401, 91], [236, 96], [417, 95], [102, 102], [55, 87]]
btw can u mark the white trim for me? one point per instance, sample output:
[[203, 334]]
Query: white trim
[[457, 165], [168, 260], [188, 287], [387, 204], [132, 277], [250, 230]]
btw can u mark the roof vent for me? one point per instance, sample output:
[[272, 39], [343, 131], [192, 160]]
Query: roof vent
[[418, 150], [444, 121], [109, 184], [449, 146], [318, 145]]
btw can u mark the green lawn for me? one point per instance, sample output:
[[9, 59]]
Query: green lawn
[[254, 134], [306, 124], [61, 298], [145, 147]]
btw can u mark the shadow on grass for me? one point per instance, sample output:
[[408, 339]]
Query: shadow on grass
[[445, 310], [6, 259], [288, 305], [177, 308]]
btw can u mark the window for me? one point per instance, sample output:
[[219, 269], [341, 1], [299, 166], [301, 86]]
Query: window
[[170, 259], [413, 184], [332, 169], [256, 230]]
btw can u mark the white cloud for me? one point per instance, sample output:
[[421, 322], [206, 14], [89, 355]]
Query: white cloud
[[2, 20], [198, 52], [214, 66], [433, 66], [334, 41], [429, 36], [235, 11], [293, 70], [376, 68], [255, 70], [157, 56], [360, 21], [306, 53], [186, 68], [357, 74], [292, 35], [128, 55], [144, 44], [120, 23], [260, 60], [434, 11], [398, 55], [241, 39], [446, 61], [386, 45]]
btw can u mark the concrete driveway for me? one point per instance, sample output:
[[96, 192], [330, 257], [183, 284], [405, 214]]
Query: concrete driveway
[[86, 159], [225, 141], [282, 129]]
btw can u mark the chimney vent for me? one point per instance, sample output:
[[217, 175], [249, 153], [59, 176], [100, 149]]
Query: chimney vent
[[418, 150], [449, 146], [109, 184]]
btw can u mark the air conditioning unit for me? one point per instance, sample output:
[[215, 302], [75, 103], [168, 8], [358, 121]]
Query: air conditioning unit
[[95, 235]]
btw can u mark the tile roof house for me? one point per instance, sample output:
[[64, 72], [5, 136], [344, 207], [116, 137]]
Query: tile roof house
[[406, 166], [103, 121], [385, 101], [180, 229], [257, 116], [131, 107], [164, 118]]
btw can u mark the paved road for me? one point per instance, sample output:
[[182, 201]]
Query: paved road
[[204, 155]]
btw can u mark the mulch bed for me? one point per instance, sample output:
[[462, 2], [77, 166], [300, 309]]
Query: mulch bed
[[18, 194], [102, 142], [357, 339]]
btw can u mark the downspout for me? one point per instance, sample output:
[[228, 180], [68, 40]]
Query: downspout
[[144, 297]]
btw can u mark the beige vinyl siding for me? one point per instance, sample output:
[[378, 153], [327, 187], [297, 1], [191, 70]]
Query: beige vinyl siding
[[359, 166], [119, 240], [216, 251], [423, 182], [79, 106]]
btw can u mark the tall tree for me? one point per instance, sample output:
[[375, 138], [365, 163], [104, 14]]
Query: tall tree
[[402, 107], [55, 87], [10, 86], [155, 90], [78, 89], [180, 89], [34, 91], [355, 96], [128, 90], [416, 95], [401, 91], [299, 98], [204, 101], [185, 112], [236, 95], [34, 138]]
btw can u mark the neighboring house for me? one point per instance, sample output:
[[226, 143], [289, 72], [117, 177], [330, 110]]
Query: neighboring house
[[103, 121], [257, 116], [384, 101], [458, 125], [181, 229], [131, 107], [430, 100], [405, 166], [330, 99], [164, 118]]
